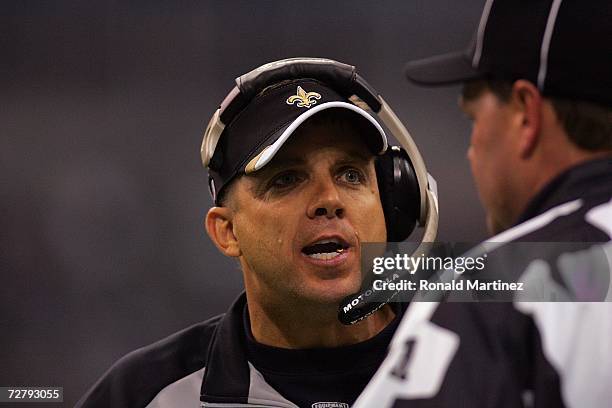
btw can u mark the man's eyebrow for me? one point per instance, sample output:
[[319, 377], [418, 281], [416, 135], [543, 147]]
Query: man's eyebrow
[[275, 166], [281, 163]]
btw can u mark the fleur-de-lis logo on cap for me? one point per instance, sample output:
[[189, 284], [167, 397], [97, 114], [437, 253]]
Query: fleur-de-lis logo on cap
[[303, 99]]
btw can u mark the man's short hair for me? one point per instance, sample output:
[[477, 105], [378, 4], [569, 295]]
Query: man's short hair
[[587, 124]]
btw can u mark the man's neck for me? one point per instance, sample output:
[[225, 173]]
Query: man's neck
[[297, 327]]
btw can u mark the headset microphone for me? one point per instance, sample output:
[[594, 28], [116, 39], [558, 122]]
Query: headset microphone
[[368, 300], [360, 305]]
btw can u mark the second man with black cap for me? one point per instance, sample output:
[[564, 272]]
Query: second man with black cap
[[538, 90]]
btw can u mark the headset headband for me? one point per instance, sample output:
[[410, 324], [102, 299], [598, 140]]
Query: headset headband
[[343, 78]]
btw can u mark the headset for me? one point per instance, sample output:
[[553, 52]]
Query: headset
[[407, 192]]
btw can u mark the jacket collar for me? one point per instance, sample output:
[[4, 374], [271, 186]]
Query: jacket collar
[[589, 178], [229, 379], [226, 378]]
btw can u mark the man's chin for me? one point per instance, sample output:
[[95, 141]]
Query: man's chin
[[330, 292]]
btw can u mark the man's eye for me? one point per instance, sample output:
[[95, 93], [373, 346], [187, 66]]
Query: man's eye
[[352, 176], [284, 180]]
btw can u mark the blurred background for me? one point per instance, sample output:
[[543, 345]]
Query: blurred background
[[102, 107]]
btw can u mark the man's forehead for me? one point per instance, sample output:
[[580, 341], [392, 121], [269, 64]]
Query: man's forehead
[[342, 135], [350, 153]]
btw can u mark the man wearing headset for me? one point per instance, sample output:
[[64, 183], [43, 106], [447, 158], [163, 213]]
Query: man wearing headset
[[292, 172], [302, 178], [538, 90]]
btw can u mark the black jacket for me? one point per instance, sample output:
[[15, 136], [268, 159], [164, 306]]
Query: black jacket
[[442, 355], [207, 362], [518, 353]]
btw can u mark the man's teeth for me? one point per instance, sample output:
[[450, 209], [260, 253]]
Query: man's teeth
[[327, 241], [326, 255]]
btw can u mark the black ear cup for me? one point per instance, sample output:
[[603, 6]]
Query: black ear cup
[[399, 193]]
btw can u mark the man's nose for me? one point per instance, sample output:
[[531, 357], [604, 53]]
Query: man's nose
[[326, 200]]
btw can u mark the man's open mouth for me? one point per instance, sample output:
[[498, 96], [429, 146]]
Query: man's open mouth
[[325, 249]]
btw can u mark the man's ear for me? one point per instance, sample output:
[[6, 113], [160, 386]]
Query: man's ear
[[220, 229], [528, 101]]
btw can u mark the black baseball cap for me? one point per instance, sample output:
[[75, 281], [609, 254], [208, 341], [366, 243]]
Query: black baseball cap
[[257, 133], [562, 46]]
